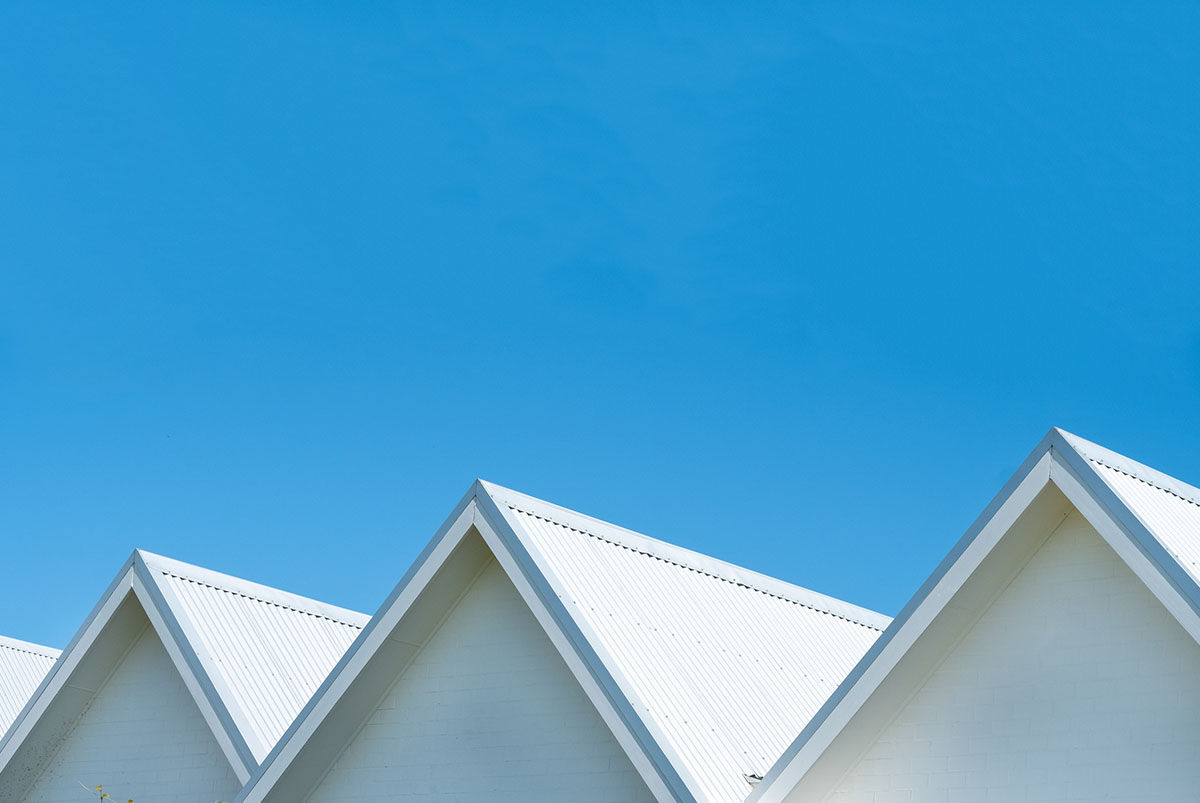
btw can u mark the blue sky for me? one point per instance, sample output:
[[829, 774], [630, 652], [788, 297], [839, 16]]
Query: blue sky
[[796, 285]]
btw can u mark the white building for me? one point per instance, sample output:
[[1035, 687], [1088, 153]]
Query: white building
[[22, 668], [1052, 656], [177, 685], [535, 654]]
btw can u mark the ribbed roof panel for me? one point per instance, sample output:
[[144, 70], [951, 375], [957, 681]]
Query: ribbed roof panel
[[22, 669], [1168, 510], [729, 669], [272, 650]]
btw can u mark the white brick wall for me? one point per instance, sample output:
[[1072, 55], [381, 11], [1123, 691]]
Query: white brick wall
[[1075, 685], [487, 712], [142, 737]]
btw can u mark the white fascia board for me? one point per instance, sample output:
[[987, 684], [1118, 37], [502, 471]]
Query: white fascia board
[[697, 561], [60, 674], [916, 617], [1128, 536], [642, 741], [204, 681], [368, 642]]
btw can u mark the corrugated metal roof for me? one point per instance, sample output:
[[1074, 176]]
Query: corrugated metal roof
[[22, 668], [271, 648], [729, 665], [1170, 509]]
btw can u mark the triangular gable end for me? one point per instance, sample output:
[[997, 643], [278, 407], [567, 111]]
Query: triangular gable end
[[114, 626], [474, 535], [248, 655], [685, 697], [264, 651], [1058, 478]]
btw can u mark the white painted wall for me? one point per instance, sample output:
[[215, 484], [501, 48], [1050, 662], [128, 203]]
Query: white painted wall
[[1076, 684], [142, 737], [486, 712]]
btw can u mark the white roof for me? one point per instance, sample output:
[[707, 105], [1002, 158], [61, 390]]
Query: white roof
[[271, 649], [704, 671], [1150, 520], [1169, 508], [729, 664], [22, 667], [250, 655]]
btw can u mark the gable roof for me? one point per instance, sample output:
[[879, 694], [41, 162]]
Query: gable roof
[[267, 650], [703, 671], [727, 663], [22, 667], [1149, 519], [1167, 507], [250, 655]]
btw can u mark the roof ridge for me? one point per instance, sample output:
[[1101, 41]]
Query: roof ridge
[[645, 550], [257, 598]]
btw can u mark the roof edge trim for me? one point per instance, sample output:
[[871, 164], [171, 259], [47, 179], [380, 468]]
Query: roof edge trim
[[16, 734], [207, 678]]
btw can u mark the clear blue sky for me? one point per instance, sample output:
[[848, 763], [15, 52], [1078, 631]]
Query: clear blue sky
[[797, 285]]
